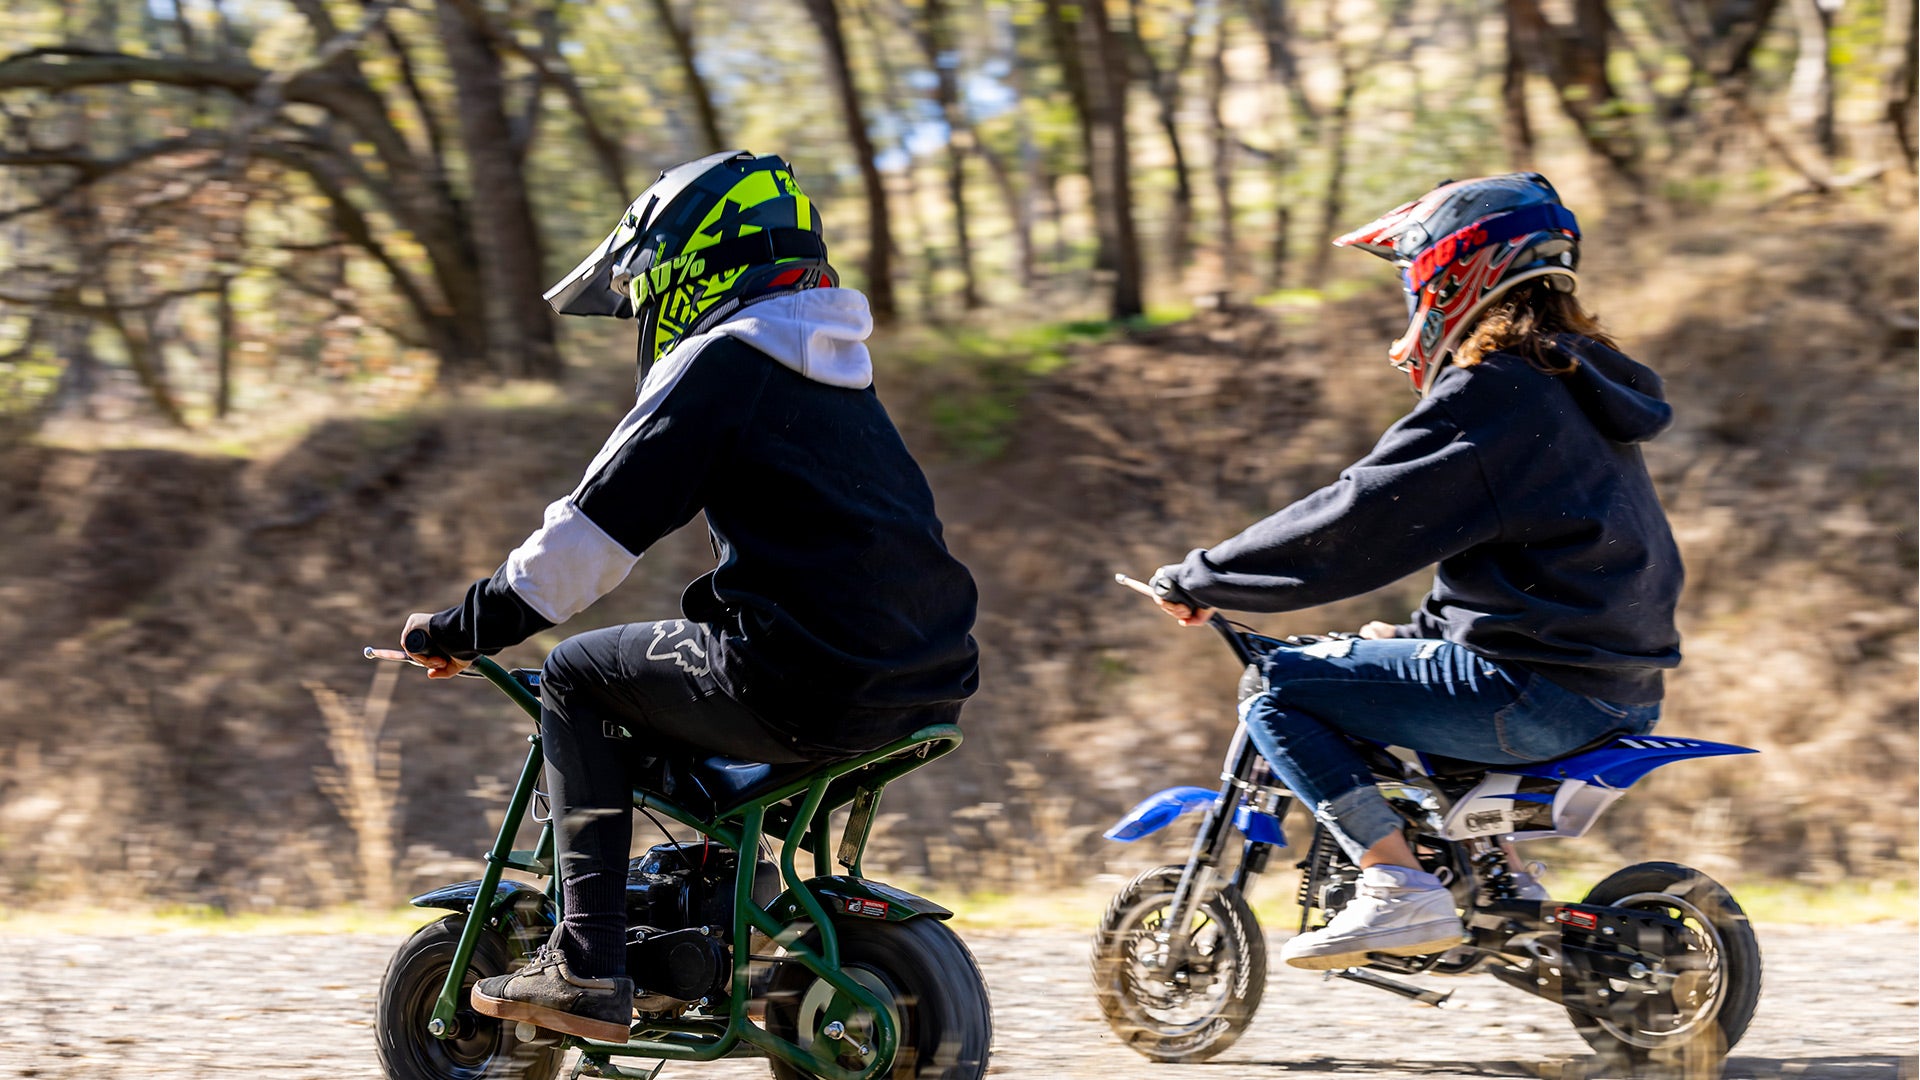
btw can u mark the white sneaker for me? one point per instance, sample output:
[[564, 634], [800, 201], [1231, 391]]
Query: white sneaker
[[1396, 911], [1528, 887]]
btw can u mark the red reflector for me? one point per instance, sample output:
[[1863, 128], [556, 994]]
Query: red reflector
[[787, 278], [1585, 920]]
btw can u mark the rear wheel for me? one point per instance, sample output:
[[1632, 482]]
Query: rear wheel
[[1193, 1011], [926, 977], [481, 1048], [1706, 993]]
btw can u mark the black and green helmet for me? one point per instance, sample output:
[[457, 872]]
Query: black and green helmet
[[707, 237]]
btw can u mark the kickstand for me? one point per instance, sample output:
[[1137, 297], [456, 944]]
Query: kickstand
[[598, 1065], [1406, 990]]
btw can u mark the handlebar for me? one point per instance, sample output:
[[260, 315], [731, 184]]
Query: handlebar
[[520, 684], [396, 655], [1234, 637]]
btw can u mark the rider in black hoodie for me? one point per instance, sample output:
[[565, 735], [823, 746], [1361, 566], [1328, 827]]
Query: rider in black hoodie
[[835, 621], [1519, 472]]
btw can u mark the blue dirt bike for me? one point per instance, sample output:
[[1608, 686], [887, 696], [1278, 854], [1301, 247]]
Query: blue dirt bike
[[1657, 967]]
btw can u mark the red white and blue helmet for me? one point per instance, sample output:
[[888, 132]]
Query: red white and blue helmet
[[1459, 248]]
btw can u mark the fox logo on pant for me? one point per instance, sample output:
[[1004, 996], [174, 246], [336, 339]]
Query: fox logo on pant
[[684, 652]]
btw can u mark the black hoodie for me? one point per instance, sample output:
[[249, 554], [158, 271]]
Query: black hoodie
[[1529, 490]]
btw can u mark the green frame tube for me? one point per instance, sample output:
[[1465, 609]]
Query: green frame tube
[[859, 781]]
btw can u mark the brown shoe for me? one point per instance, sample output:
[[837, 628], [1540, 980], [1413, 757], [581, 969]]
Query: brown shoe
[[545, 994]]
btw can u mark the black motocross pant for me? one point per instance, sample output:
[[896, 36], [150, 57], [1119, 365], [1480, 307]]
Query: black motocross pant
[[609, 700]]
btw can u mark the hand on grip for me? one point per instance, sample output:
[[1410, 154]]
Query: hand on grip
[[417, 639]]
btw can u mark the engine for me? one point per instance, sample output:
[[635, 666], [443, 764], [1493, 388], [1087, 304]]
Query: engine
[[679, 916]]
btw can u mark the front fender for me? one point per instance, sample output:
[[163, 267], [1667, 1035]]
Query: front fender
[[1161, 809], [859, 898], [515, 900]]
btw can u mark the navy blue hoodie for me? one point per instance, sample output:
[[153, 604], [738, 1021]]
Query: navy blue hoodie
[[1529, 491]]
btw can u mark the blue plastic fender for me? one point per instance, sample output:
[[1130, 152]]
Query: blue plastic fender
[[1625, 760], [1161, 809]]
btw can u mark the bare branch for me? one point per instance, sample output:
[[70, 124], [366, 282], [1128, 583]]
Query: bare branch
[[555, 70], [436, 141], [270, 94]]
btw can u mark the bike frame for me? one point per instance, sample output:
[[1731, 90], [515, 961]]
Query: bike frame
[[858, 782], [1210, 843]]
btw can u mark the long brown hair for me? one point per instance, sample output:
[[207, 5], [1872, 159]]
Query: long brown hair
[[1523, 323]]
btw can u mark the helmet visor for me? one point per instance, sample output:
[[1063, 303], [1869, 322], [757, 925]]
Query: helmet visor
[[589, 290]]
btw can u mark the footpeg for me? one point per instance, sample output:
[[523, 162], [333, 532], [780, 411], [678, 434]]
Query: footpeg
[[1406, 990], [604, 1067]]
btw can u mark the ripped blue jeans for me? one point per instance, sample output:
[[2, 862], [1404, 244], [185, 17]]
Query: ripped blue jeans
[[1422, 694]]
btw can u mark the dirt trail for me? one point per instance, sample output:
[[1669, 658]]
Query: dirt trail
[[1838, 1004]]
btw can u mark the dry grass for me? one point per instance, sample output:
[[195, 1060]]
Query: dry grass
[[162, 608]]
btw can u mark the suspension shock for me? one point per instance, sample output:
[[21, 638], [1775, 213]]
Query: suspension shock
[[1314, 870]]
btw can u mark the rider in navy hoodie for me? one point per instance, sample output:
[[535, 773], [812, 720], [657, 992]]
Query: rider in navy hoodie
[[1551, 617], [836, 620]]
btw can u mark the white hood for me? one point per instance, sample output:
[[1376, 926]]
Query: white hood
[[820, 333]]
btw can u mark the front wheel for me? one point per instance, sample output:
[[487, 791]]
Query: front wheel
[[481, 1048], [1185, 1013], [926, 977], [1710, 984]]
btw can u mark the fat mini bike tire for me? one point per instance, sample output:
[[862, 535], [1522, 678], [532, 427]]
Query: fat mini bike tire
[[1729, 985], [1227, 923], [926, 975], [483, 1048]]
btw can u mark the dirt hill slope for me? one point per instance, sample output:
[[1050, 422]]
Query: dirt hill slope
[[166, 615]]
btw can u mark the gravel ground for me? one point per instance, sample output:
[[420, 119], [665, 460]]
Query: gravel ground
[[1837, 1004]]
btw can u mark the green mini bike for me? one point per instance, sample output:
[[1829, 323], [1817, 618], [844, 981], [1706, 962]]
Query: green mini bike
[[852, 979]]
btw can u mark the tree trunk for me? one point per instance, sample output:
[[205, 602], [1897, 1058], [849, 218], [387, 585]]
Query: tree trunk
[[1333, 204], [145, 355], [520, 341], [1513, 95], [680, 35], [946, 92], [1223, 154], [1574, 59], [1901, 81], [1063, 32], [1020, 198], [826, 16], [935, 39], [1102, 55], [1810, 91], [223, 350], [1164, 83], [1276, 32]]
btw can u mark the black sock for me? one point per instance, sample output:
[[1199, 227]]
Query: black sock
[[593, 933]]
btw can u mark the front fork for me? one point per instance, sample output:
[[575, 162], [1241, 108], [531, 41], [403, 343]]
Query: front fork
[[1210, 847], [499, 857]]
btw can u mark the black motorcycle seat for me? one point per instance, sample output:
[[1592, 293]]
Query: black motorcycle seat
[[715, 785]]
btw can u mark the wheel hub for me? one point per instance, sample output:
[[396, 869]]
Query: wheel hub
[[834, 1025]]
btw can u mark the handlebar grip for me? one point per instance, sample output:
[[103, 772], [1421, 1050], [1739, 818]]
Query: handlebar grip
[[420, 643]]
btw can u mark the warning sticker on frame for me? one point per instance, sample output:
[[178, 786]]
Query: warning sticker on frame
[[872, 909]]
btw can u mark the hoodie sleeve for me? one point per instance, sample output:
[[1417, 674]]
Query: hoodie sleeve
[[1418, 497], [649, 479]]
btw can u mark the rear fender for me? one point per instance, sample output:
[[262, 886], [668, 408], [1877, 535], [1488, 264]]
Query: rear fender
[[1564, 797], [1161, 809], [845, 896], [1622, 762]]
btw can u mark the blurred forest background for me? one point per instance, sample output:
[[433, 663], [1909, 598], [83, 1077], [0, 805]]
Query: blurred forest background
[[275, 371]]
